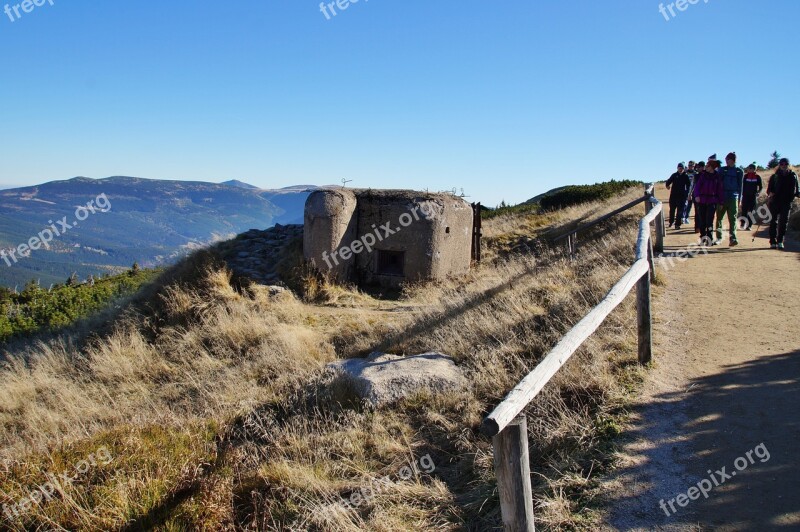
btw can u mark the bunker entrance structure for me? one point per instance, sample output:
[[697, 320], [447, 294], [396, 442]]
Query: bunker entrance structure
[[387, 237]]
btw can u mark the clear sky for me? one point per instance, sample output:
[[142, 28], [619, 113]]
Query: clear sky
[[505, 99]]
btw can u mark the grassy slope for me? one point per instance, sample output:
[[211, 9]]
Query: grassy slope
[[210, 401]]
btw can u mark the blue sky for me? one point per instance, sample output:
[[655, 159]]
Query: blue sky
[[505, 99]]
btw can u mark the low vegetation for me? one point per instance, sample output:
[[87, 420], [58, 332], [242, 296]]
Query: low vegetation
[[207, 395], [578, 194], [36, 309], [563, 197], [504, 210]]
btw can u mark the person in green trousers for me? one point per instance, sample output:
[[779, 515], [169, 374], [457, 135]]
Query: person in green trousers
[[732, 182]]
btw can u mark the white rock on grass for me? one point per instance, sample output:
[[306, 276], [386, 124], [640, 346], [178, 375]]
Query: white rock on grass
[[382, 379], [274, 290]]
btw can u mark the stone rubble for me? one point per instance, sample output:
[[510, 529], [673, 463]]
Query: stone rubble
[[255, 254]]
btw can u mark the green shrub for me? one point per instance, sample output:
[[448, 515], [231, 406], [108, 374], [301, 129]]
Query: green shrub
[[774, 159], [522, 208], [577, 194], [38, 309]]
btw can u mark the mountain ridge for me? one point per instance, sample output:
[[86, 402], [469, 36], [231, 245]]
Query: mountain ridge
[[149, 221]]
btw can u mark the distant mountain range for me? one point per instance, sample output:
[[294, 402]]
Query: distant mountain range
[[149, 221]]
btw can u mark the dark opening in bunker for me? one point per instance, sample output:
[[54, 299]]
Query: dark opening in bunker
[[391, 262]]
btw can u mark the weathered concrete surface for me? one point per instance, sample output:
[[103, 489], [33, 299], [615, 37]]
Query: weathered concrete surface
[[383, 379], [329, 224], [432, 232]]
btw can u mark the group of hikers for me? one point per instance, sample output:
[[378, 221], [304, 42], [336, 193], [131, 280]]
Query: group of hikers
[[719, 192]]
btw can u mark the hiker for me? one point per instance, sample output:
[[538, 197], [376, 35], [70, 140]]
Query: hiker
[[753, 185], [691, 171], [732, 182], [715, 164], [700, 167], [708, 193], [782, 189], [678, 184]]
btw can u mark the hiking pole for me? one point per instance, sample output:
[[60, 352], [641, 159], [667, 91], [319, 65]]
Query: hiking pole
[[757, 229], [760, 221]]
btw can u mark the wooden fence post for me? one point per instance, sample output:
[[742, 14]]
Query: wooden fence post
[[513, 471], [651, 259], [477, 232], [644, 319], [660, 230], [647, 197], [572, 245]]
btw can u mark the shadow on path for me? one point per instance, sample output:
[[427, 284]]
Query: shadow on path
[[728, 414]]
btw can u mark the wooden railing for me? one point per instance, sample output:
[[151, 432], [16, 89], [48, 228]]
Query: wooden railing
[[507, 424]]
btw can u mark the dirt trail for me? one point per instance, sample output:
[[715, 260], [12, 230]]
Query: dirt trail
[[727, 378]]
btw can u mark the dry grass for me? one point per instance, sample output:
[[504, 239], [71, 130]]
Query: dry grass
[[207, 396]]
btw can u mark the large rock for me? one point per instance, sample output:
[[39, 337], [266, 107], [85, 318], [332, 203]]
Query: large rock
[[383, 379]]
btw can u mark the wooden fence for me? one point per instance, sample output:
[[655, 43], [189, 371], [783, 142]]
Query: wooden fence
[[507, 424]]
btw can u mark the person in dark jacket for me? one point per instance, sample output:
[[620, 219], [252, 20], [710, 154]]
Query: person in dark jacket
[[782, 189], [678, 184], [699, 169], [691, 171], [753, 185], [732, 181], [708, 193]]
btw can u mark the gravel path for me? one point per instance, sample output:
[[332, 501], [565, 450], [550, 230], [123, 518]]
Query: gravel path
[[726, 382]]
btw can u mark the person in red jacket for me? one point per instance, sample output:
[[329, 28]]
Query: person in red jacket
[[750, 190]]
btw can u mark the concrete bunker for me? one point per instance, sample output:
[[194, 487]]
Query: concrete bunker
[[387, 237]]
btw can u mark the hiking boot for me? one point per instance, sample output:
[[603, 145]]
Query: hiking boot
[[781, 246]]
